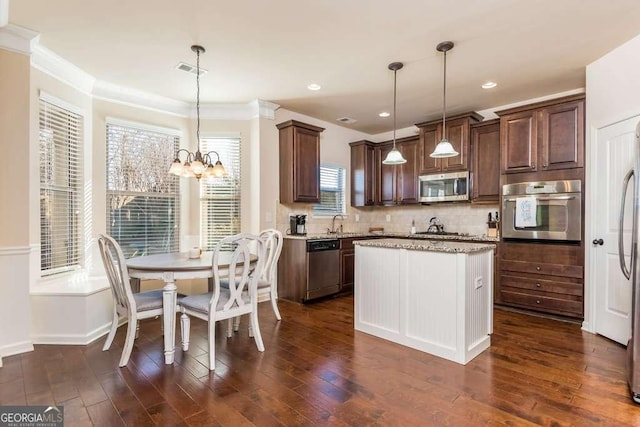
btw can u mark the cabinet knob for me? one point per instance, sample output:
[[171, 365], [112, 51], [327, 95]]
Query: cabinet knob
[[538, 268], [545, 165], [598, 242], [537, 301], [533, 165], [538, 285]]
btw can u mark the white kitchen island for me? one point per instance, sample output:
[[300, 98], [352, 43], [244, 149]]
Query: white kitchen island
[[433, 296]]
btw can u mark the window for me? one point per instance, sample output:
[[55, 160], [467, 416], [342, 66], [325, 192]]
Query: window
[[143, 199], [220, 197], [61, 133], [331, 191]]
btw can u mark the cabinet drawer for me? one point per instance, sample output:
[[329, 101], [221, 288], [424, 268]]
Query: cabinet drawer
[[547, 284], [542, 302], [542, 268]]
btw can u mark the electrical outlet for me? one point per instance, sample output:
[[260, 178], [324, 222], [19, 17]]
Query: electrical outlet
[[268, 217], [388, 218], [357, 218], [478, 282]]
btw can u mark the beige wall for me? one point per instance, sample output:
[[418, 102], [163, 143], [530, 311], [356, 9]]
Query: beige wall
[[16, 161]]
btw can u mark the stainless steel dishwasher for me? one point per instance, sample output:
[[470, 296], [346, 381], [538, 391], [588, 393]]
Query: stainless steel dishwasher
[[323, 268]]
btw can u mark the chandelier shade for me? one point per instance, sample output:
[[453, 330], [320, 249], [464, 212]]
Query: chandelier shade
[[444, 148], [197, 165], [394, 157]]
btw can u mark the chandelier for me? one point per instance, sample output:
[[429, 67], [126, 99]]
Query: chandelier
[[197, 164]]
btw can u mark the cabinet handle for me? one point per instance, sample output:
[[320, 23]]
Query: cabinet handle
[[537, 301], [538, 285], [533, 165], [538, 268], [544, 166]]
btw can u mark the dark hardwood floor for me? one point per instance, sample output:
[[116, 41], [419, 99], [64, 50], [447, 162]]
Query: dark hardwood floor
[[316, 370]]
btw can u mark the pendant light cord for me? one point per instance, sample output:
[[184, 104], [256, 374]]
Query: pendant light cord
[[198, 97], [394, 107], [444, 99]]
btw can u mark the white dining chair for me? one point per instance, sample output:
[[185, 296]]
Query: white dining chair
[[132, 306], [268, 282], [226, 303]]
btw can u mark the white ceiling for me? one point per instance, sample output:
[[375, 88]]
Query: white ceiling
[[271, 50]]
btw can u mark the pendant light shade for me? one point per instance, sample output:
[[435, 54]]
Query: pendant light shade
[[394, 157], [444, 147]]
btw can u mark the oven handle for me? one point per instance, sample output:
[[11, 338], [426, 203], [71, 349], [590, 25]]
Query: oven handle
[[546, 199], [623, 263]]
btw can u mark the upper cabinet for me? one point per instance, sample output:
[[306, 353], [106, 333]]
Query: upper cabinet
[[485, 162], [374, 183], [363, 173], [458, 134], [299, 162], [544, 136]]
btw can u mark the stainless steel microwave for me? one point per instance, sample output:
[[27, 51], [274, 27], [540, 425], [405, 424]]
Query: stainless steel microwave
[[548, 210], [444, 187]]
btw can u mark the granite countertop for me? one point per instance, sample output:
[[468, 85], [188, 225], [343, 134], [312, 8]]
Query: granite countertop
[[461, 237], [427, 245]]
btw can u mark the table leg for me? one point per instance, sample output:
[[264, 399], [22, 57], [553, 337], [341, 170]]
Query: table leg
[[169, 317]]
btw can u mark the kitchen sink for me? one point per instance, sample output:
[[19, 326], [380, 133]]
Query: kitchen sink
[[440, 233]]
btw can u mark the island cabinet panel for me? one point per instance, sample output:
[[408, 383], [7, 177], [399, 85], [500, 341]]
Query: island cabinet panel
[[485, 162], [299, 162], [548, 278], [437, 302]]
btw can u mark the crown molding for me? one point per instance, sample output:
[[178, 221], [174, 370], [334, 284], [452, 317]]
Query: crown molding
[[59, 68], [18, 39], [264, 109], [136, 98]]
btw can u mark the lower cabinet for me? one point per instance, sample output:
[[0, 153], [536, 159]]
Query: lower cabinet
[[347, 264], [548, 278]]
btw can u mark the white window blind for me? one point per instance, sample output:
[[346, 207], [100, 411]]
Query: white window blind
[[331, 191], [143, 199], [220, 197], [60, 187]]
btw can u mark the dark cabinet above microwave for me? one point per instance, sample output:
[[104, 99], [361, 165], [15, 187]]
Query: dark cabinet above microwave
[[457, 132]]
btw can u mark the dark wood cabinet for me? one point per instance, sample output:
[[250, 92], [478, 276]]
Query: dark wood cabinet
[[347, 264], [386, 177], [543, 277], [543, 136], [299, 162], [407, 173], [458, 134], [363, 173], [485, 162]]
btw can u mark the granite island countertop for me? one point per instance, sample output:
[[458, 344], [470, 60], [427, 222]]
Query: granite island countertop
[[391, 235], [427, 245]]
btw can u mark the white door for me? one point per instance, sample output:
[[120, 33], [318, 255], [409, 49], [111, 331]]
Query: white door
[[615, 151]]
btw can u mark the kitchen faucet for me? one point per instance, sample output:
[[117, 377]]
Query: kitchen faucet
[[333, 224]]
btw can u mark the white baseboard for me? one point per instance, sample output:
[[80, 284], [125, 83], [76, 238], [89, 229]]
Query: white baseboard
[[16, 348], [75, 339]]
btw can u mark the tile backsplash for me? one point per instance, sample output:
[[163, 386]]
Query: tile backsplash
[[458, 217]]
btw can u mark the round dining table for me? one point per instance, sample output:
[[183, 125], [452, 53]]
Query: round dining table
[[169, 268]]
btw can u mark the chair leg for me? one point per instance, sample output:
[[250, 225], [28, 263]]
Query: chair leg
[[212, 344], [236, 323], [132, 328], [229, 327], [256, 330], [185, 330], [112, 332], [274, 304]]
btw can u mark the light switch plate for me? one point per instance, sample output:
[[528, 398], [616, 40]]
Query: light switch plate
[[357, 218], [268, 217], [388, 218]]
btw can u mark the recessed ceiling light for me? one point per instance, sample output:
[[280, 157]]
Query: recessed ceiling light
[[314, 86], [384, 114], [489, 85]]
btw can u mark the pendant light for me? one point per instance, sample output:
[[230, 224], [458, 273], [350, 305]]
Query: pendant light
[[444, 147], [394, 157], [196, 164]]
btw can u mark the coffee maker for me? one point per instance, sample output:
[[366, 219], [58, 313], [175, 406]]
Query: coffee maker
[[297, 224]]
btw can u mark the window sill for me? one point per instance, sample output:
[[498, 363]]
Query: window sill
[[77, 283]]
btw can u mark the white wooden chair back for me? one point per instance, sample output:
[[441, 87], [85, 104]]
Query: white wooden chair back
[[273, 247], [116, 268], [242, 281]]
